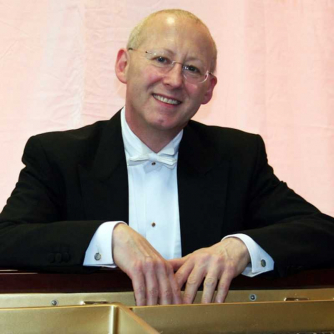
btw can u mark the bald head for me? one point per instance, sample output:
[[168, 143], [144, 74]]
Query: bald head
[[142, 30]]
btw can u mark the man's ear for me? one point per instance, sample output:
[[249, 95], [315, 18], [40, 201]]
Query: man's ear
[[121, 66], [211, 85]]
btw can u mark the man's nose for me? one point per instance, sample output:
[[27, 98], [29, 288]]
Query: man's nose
[[174, 77]]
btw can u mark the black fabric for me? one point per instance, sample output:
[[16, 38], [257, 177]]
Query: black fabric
[[76, 180]]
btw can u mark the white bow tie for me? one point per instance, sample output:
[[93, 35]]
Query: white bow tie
[[153, 158]]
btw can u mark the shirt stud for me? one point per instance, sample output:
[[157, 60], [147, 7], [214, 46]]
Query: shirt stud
[[153, 163], [153, 224], [97, 256], [263, 263]]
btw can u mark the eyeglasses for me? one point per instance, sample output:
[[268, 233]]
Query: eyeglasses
[[193, 73]]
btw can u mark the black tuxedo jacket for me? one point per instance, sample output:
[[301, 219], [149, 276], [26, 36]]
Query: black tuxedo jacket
[[76, 180]]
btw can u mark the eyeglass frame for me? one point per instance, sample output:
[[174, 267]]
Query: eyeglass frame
[[171, 65]]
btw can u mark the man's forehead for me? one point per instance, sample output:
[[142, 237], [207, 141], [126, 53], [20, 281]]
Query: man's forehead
[[167, 28]]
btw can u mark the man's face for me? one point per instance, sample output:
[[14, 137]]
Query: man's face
[[160, 102]]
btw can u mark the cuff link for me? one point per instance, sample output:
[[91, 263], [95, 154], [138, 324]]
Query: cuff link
[[97, 256], [263, 263]]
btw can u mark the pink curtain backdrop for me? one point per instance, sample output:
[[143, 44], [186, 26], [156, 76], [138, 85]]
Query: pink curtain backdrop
[[275, 76]]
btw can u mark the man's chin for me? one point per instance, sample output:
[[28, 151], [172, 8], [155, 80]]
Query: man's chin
[[168, 126]]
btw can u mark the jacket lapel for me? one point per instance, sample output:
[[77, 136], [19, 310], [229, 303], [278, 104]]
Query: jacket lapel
[[104, 179], [202, 184]]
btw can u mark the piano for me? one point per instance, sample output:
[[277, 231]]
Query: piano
[[103, 302]]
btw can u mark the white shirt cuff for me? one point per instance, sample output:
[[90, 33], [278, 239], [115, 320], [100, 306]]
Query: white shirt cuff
[[98, 253], [261, 261]]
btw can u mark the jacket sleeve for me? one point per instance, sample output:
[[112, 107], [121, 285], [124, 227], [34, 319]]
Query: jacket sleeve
[[295, 233], [34, 230]]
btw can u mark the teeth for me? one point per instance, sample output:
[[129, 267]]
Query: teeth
[[166, 100]]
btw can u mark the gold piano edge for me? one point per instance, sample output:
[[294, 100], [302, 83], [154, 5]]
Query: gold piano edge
[[256, 317], [127, 298]]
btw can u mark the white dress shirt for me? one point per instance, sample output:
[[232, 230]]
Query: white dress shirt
[[154, 208]]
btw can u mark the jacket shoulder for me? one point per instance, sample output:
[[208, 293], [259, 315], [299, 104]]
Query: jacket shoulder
[[74, 137], [228, 139], [64, 149]]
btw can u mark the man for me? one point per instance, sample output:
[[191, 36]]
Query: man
[[180, 185]]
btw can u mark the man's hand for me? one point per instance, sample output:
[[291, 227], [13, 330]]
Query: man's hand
[[152, 276], [217, 265]]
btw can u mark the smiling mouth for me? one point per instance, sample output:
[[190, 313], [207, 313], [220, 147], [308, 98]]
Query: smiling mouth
[[166, 100]]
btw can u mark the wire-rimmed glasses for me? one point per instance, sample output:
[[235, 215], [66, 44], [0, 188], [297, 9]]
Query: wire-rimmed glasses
[[194, 72]]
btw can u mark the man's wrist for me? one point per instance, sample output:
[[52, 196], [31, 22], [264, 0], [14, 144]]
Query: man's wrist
[[260, 260], [99, 251]]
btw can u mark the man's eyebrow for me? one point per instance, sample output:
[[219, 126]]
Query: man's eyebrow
[[172, 53], [164, 50]]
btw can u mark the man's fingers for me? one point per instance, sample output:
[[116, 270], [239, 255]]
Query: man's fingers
[[194, 281], [165, 289], [223, 286], [183, 273], [152, 276], [210, 284], [176, 292], [139, 289], [152, 284], [161, 286]]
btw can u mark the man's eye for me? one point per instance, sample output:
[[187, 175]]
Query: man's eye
[[192, 69], [161, 60]]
